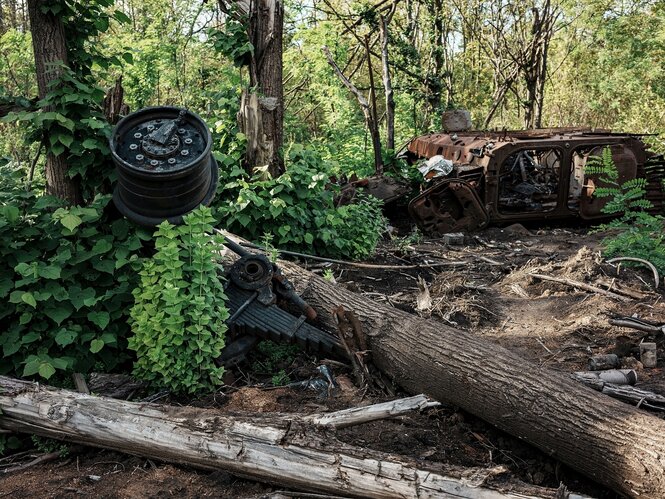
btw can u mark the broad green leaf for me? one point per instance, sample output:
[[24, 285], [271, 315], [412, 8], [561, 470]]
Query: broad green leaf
[[57, 149], [65, 337], [96, 345], [90, 144], [121, 17], [5, 286], [30, 337], [82, 297], [29, 298], [49, 272], [10, 213], [66, 140], [58, 313], [46, 370], [71, 221], [60, 363], [31, 367], [101, 246], [101, 319]]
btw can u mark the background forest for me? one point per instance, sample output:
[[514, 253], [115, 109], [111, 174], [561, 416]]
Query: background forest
[[597, 63]]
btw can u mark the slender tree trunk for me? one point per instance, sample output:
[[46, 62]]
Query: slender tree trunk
[[611, 442], [48, 42], [371, 122], [374, 111], [387, 85]]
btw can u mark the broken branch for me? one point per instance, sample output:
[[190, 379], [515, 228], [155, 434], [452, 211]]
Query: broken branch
[[359, 415], [580, 285]]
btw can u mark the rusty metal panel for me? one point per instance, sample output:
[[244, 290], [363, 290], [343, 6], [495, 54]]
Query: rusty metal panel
[[448, 206]]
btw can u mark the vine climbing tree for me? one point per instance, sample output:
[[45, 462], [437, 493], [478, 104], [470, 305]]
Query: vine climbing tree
[[48, 41]]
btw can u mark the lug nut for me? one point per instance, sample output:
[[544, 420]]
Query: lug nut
[[140, 157], [188, 141], [154, 162], [150, 128], [138, 135], [182, 131], [171, 161], [133, 147], [185, 152]]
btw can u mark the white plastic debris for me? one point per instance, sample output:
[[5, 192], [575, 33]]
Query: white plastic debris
[[436, 166]]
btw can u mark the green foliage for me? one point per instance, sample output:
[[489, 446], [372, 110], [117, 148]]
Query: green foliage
[[66, 276], [48, 445], [298, 210], [179, 313], [635, 232], [70, 121], [280, 379], [641, 237], [270, 357], [624, 198], [231, 41]]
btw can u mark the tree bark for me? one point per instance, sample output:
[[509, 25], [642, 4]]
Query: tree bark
[[284, 450], [265, 30], [48, 42], [610, 442]]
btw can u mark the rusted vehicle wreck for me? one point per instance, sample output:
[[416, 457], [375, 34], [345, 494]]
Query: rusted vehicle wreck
[[479, 178]]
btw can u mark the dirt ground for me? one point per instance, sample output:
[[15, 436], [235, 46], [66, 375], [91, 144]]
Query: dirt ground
[[490, 292]]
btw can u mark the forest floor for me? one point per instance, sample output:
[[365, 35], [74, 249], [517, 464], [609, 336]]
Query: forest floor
[[492, 295]]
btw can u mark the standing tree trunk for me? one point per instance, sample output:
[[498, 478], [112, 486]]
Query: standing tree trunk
[[48, 42], [387, 81], [265, 28]]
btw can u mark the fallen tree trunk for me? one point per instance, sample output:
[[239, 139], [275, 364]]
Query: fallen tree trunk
[[287, 451], [610, 442]]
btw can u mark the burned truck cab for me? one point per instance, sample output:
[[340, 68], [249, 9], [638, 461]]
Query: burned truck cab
[[508, 177]]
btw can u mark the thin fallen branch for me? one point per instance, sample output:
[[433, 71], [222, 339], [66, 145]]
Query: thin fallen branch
[[44, 458], [581, 285], [620, 291], [453, 263], [359, 415], [633, 323], [656, 277]]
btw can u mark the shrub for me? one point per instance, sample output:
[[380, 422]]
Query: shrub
[[636, 233], [179, 313], [66, 276], [297, 208]]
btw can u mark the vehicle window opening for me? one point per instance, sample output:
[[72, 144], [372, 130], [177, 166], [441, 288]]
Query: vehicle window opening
[[577, 165], [529, 181]]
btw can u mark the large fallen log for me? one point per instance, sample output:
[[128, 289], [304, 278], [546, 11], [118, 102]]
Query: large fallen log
[[610, 442], [287, 451]]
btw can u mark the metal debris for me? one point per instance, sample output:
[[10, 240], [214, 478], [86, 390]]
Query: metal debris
[[507, 177]]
